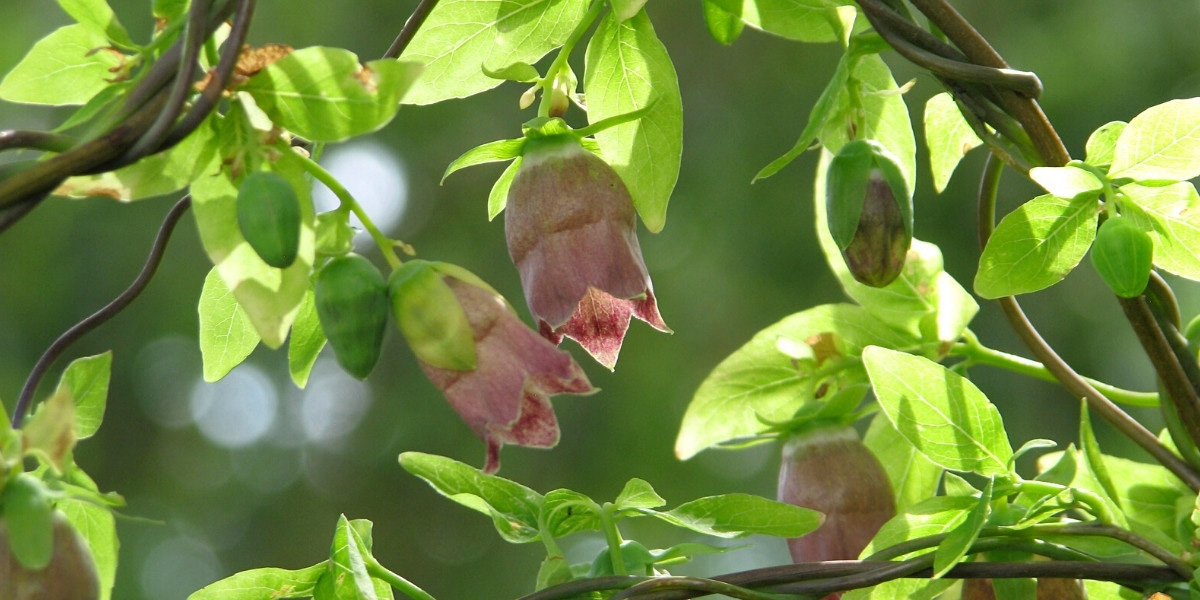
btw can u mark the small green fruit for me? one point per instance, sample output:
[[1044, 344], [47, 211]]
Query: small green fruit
[[351, 300], [269, 217], [1123, 255]]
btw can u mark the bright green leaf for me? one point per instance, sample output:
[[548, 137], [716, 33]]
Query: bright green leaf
[[348, 564], [1036, 245], [86, 380], [69, 66], [518, 71], [513, 507], [496, 151], [800, 20], [97, 16], [1065, 182], [461, 36], [1102, 144], [932, 516], [951, 551], [498, 197], [724, 26], [325, 95], [942, 414], [565, 512], [264, 584], [760, 383], [305, 342], [227, 336], [98, 528], [627, 69], [271, 297], [948, 136], [1171, 215], [638, 493], [736, 515], [1148, 494], [155, 175], [913, 477], [909, 589], [1160, 144]]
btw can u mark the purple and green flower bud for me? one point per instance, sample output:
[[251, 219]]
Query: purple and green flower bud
[[869, 211], [571, 231], [830, 470]]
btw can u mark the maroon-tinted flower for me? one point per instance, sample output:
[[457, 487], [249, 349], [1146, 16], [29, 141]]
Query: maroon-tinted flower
[[571, 231], [506, 398]]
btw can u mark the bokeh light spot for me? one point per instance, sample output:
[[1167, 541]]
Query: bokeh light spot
[[238, 410]]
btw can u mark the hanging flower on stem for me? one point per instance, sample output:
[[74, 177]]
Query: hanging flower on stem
[[571, 231], [496, 372]]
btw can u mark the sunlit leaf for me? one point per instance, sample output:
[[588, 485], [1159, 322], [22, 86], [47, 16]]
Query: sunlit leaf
[[1036, 245], [86, 380], [1160, 144], [69, 66], [736, 515], [513, 507], [948, 136], [227, 336]]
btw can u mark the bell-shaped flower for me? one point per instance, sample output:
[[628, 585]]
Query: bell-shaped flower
[[571, 230], [505, 397]]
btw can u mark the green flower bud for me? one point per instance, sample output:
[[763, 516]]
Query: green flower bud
[[351, 300], [430, 316], [1123, 255], [269, 217]]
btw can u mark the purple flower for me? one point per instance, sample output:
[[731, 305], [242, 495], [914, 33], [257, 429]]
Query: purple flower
[[506, 398], [571, 232]]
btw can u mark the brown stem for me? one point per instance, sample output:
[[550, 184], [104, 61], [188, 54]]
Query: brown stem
[[409, 31]]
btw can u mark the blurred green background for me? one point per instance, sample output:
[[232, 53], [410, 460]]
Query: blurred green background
[[253, 472]]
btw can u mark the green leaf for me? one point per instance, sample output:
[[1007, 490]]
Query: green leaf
[[462, 36], [638, 493], [518, 71], [50, 432], [496, 151], [271, 297], [29, 520], [882, 116], [553, 571], [800, 20], [909, 589], [684, 552], [1171, 215], [626, 69], [1102, 144], [325, 95], [305, 342], [98, 528], [942, 414], [759, 383], [1066, 182], [736, 515], [1160, 144], [817, 117], [724, 26], [948, 136], [264, 584], [97, 16], [565, 512], [513, 507], [913, 477], [155, 175], [1036, 245], [932, 516], [1148, 494], [498, 197], [347, 564], [227, 336], [1093, 460], [952, 550], [86, 380], [69, 66]]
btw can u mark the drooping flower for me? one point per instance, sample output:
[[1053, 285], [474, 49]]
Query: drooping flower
[[505, 399], [571, 232]]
